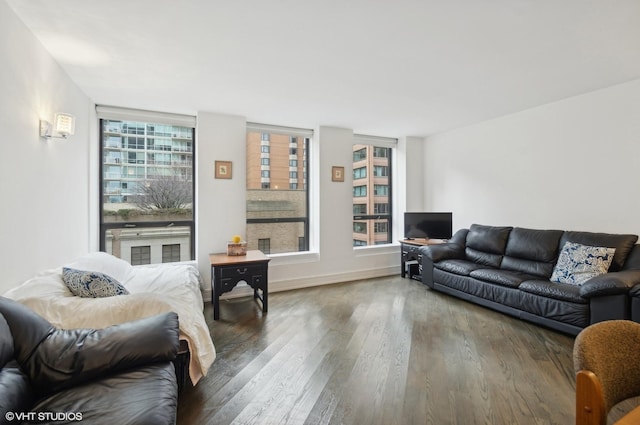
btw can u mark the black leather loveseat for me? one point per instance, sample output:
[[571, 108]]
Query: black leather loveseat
[[118, 375], [509, 269]]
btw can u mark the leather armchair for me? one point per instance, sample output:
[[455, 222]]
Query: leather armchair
[[607, 372], [121, 374]]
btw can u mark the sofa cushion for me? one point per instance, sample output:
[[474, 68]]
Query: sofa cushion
[[461, 267], [578, 263], [532, 244], [532, 251], [89, 284], [534, 268], [489, 239], [485, 244], [553, 290], [144, 395], [501, 277], [622, 243]]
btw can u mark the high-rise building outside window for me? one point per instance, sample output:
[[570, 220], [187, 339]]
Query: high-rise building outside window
[[146, 185], [277, 189], [372, 187]]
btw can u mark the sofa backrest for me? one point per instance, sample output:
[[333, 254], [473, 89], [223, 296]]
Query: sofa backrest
[[486, 244], [536, 252], [532, 251], [621, 242], [633, 260]]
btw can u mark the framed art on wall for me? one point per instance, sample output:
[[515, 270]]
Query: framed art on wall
[[223, 169], [337, 174]]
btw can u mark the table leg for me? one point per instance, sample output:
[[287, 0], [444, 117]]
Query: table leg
[[215, 293], [265, 296], [216, 308], [265, 290]]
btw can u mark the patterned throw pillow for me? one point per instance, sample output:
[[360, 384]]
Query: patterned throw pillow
[[578, 263], [88, 284]]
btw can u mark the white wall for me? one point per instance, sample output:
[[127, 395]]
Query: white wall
[[221, 209], [410, 176], [220, 203], [572, 164], [44, 186]]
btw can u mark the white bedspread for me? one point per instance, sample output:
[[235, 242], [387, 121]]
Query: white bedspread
[[153, 290]]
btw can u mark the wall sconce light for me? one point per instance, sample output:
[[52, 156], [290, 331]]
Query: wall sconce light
[[64, 125]]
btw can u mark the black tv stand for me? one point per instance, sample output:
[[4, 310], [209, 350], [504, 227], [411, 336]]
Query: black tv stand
[[410, 251]]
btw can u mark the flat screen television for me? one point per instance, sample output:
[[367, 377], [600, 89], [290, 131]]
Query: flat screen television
[[428, 225]]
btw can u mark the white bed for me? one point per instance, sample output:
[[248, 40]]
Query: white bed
[[153, 289]]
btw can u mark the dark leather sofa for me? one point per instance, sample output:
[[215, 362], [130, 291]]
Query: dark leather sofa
[[118, 375], [508, 269], [634, 293]]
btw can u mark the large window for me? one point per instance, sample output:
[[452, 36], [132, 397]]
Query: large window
[[372, 191], [277, 189], [146, 185]]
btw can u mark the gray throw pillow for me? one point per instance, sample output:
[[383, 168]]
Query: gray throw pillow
[[88, 284]]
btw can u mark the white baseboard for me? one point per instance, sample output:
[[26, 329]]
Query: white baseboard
[[244, 290]]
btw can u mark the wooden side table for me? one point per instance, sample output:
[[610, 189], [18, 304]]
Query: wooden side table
[[228, 270]]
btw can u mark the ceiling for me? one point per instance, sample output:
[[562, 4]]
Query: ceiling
[[380, 67]]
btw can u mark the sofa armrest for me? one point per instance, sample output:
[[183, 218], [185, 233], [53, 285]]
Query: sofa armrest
[[433, 253], [614, 283], [67, 358], [445, 251]]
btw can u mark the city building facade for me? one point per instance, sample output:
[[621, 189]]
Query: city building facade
[[371, 195], [277, 190], [147, 191]]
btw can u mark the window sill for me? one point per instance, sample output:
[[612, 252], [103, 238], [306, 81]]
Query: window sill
[[362, 251], [294, 258]]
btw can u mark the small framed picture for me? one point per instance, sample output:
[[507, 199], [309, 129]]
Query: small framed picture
[[223, 169], [337, 174]]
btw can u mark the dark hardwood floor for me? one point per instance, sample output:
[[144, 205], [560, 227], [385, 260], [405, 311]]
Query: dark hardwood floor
[[379, 351]]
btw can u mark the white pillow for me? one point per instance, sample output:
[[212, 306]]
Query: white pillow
[[102, 262], [578, 263]]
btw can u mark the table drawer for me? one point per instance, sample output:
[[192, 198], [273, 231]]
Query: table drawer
[[227, 285], [241, 270], [258, 281], [410, 248]]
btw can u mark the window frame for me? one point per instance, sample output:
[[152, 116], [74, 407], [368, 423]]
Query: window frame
[[376, 143], [148, 117], [294, 134]]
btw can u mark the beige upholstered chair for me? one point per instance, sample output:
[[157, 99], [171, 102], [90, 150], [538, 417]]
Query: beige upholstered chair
[[606, 358]]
